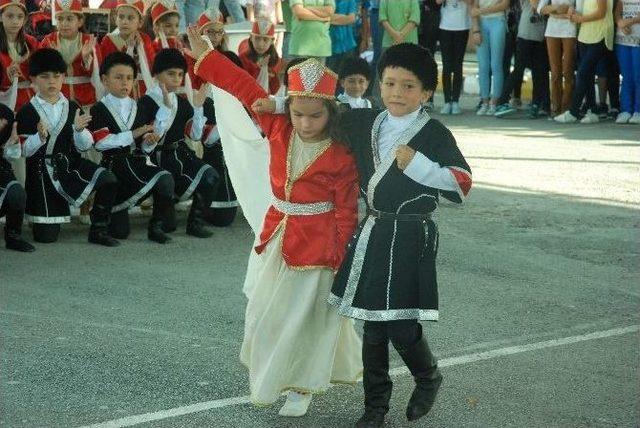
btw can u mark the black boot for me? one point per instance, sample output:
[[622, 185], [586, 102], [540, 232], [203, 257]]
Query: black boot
[[195, 224], [424, 368], [155, 232], [13, 231], [99, 229], [377, 385]]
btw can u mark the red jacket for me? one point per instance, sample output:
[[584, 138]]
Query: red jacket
[[309, 241], [111, 44], [25, 92], [254, 70], [77, 84]]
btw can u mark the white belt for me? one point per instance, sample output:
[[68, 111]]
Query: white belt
[[76, 80], [292, 208]]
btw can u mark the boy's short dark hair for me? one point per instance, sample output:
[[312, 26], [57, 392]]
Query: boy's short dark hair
[[294, 61], [118, 58], [354, 66], [46, 60], [414, 58], [167, 59]]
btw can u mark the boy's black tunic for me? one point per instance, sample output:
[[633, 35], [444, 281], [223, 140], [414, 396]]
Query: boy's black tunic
[[225, 203], [57, 175], [172, 153], [7, 178], [389, 271], [136, 178]]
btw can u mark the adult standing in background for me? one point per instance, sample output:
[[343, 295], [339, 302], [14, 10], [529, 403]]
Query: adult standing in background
[[428, 31], [233, 7], [400, 20], [343, 42], [310, 28]]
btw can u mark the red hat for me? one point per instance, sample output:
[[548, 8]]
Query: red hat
[[207, 18], [162, 8], [19, 3], [138, 5], [262, 27], [74, 6], [312, 79]]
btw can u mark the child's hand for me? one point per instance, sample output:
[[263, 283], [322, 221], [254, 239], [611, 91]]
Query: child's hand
[[477, 38], [139, 132], [166, 98], [200, 95], [475, 12], [81, 120], [263, 105], [3, 123], [151, 138], [13, 71], [87, 48], [404, 156], [198, 45], [13, 138], [43, 131]]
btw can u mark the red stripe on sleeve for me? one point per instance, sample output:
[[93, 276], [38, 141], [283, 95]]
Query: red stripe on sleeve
[[100, 134], [464, 180]]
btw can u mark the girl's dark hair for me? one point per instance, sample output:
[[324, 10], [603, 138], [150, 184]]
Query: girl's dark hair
[[21, 42], [273, 54], [332, 108], [414, 58]]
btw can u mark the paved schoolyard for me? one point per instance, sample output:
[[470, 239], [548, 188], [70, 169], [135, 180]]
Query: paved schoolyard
[[539, 305]]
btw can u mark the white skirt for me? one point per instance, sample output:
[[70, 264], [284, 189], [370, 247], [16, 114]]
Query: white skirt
[[293, 339]]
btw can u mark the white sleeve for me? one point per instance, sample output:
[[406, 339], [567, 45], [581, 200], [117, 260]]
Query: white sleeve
[[83, 140], [162, 124], [113, 141], [12, 152], [424, 171], [32, 144], [280, 101], [199, 120]]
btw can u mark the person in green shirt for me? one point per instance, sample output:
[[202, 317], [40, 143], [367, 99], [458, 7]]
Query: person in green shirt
[[310, 28], [400, 20]]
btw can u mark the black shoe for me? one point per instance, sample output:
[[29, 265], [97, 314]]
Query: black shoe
[[155, 232], [98, 235], [424, 368], [372, 418], [13, 241], [196, 228]]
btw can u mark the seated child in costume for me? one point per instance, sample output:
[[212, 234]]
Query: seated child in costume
[[54, 131], [355, 76], [124, 137], [260, 58]]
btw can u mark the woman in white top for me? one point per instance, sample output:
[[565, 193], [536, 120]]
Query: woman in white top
[[489, 33], [561, 48], [455, 22], [627, 47]]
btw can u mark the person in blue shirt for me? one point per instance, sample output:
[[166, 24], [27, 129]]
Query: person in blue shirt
[[343, 42]]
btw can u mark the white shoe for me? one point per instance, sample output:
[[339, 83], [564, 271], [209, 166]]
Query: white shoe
[[296, 405], [590, 118], [455, 108], [635, 119], [446, 109], [565, 117], [482, 111], [492, 110], [623, 117]]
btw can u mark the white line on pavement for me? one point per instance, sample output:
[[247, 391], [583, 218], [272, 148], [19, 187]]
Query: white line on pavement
[[446, 362]]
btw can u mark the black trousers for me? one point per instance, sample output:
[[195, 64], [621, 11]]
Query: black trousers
[[401, 333], [533, 55], [15, 202], [452, 46], [590, 55]]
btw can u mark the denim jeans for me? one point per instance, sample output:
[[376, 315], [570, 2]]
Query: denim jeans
[[490, 55], [590, 54], [233, 6], [629, 60], [190, 11]]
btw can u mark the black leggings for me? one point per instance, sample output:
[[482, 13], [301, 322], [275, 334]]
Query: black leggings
[[120, 227], [402, 333], [452, 46]]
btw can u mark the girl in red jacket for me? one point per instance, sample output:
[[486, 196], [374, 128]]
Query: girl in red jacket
[[293, 340], [259, 56], [78, 50], [15, 48], [129, 38]]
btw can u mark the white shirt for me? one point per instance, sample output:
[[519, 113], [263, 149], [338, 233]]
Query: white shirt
[[12, 152], [559, 27], [163, 124], [454, 16], [354, 102], [53, 115], [421, 169], [630, 9]]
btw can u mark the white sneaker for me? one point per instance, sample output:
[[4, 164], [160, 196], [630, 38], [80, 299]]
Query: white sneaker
[[565, 117], [590, 118], [623, 117], [455, 108], [492, 110], [482, 111], [296, 404], [635, 119], [446, 108]]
